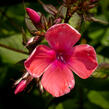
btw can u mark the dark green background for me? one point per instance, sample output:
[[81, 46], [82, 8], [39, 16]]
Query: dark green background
[[92, 93]]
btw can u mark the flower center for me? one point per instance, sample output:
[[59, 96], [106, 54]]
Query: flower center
[[60, 57]]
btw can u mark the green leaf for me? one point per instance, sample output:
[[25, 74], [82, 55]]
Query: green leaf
[[62, 11], [102, 70], [104, 6], [8, 55], [105, 39], [70, 104], [102, 59], [31, 28], [96, 34], [3, 73], [99, 99], [59, 106], [75, 20]]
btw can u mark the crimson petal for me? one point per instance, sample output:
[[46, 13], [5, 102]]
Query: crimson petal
[[38, 61], [83, 60], [62, 37], [58, 79]]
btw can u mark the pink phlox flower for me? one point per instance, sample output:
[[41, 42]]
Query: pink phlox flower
[[57, 62]]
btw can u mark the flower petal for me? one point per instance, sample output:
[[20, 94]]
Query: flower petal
[[62, 37], [58, 79], [38, 61], [83, 60]]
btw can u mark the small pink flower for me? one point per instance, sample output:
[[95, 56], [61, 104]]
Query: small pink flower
[[21, 86], [59, 60], [34, 16]]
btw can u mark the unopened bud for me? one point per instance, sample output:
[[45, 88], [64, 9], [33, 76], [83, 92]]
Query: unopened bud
[[34, 16], [33, 42], [50, 9], [69, 1], [30, 41], [20, 87], [58, 21], [93, 1], [41, 87]]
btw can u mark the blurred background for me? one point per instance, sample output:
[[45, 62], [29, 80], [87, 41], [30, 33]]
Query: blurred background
[[92, 93]]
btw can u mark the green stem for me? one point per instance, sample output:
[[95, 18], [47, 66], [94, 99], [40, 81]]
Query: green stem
[[99, 21], [13, 49]]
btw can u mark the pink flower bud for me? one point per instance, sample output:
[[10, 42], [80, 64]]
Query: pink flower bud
[[69, 1], [30, 40], [57, 20], [93, 0], [34, 16], [20, 87]]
